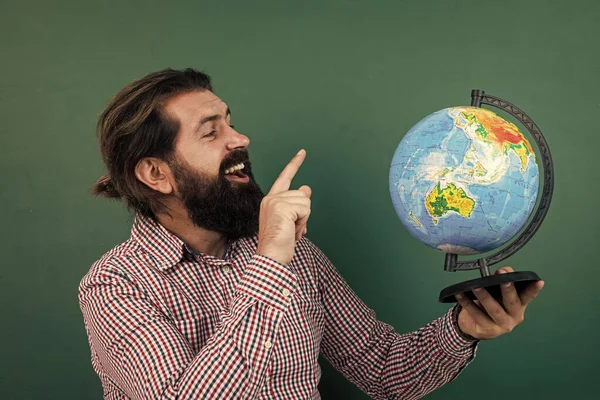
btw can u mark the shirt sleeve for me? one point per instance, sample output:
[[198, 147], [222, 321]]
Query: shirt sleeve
[[145, 356], [379, 361]]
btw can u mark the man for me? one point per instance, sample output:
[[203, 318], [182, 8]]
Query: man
[[218, 294]]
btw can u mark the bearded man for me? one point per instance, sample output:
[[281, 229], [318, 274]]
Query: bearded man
[[218, 294]]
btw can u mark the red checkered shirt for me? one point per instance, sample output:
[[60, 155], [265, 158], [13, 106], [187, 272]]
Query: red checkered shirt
[[166, 323]]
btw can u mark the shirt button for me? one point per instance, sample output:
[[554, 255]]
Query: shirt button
[[285, 293], [268, 344], [226, 268]]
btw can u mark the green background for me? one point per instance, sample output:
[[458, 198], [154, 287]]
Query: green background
[[344, 80]]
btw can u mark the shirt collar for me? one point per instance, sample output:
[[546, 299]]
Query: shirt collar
[[157, 241], [165, 247]]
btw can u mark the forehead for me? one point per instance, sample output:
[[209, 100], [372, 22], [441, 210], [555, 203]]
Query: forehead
[[195, 105]]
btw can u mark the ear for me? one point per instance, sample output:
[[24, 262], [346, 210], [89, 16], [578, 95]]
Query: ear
[[155, 174]]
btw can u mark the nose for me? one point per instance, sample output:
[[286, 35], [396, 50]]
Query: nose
[[237, 140]]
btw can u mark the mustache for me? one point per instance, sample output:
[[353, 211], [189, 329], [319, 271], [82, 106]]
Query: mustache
[[234, 158]]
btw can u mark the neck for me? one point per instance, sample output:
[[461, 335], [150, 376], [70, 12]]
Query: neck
[[197, 239]]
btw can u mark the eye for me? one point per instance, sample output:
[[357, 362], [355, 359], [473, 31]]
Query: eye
[[211, 133]]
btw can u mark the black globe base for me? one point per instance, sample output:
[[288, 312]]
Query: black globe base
[[491, 283]]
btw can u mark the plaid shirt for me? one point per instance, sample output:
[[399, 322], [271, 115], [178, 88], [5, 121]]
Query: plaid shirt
[[165, 323]]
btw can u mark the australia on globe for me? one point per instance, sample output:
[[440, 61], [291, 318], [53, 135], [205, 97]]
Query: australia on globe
[[464, 180]]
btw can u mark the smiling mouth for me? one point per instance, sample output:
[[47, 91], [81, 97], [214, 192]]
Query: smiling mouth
[[237, 173]]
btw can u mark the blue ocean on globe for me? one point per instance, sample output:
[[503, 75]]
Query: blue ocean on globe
[[464, 180]]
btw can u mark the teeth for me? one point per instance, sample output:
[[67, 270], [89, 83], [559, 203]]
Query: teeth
[[234, 168]]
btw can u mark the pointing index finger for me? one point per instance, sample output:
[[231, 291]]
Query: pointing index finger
[[283, 182]]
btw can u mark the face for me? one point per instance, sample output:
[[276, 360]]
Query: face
[[207, 150]]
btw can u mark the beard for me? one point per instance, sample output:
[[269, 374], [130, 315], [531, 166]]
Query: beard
[[216, 204]]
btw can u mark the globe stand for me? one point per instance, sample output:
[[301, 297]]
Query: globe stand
[[492, 283], [488, 281]]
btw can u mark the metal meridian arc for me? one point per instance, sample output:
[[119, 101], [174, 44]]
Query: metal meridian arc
[[479, 97]]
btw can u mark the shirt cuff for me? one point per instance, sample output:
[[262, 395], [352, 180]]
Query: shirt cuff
[[268, 281], [453, 341]]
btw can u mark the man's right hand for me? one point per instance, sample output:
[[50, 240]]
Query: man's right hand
[[283, 215]]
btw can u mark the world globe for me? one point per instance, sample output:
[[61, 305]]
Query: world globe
[[464, 180]]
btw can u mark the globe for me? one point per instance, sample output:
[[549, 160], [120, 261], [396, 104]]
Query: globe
[[464, 180]]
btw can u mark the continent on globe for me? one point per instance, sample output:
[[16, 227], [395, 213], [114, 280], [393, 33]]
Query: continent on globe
[[495, 130], [451, 198]]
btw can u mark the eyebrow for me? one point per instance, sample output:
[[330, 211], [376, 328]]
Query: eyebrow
[[213, 117]]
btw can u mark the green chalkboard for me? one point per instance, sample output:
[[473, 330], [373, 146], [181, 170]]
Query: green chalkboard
[[345, 80]]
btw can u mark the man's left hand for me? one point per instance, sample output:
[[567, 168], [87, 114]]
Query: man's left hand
[[488, 319]]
